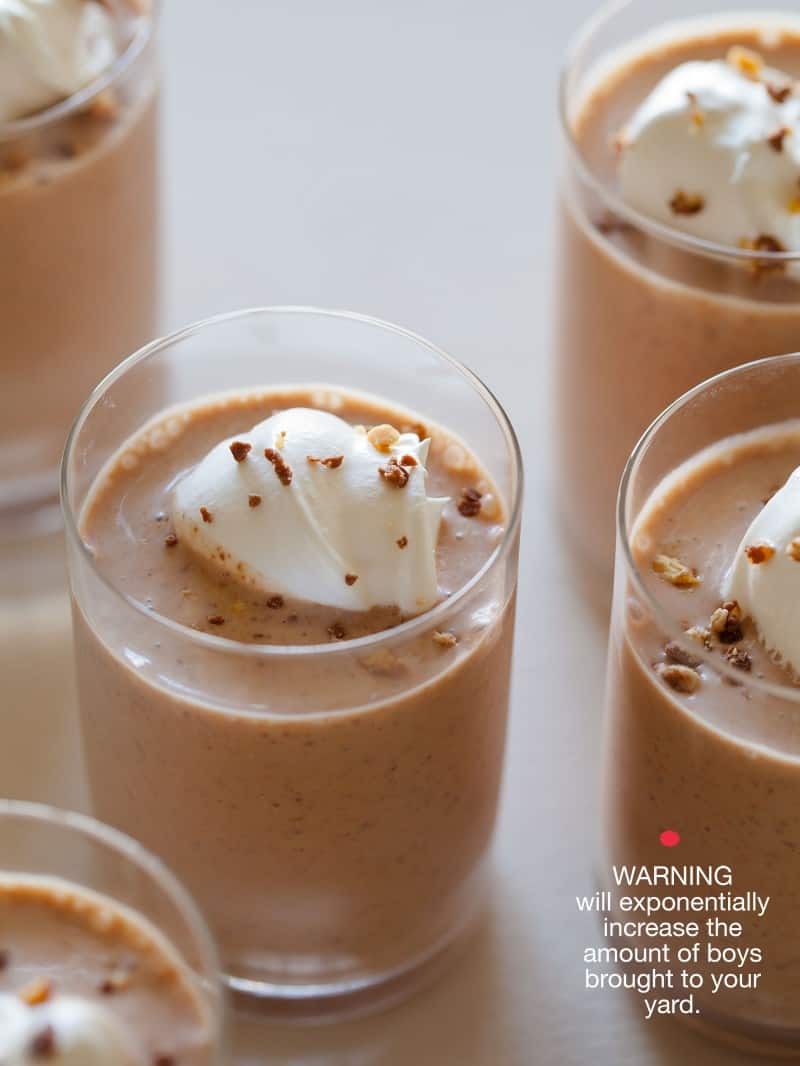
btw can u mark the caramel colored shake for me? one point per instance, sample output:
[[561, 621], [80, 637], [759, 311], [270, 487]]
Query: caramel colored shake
[[78, 218], [702, 708], [308, 716], [86, 982], [678, 143]]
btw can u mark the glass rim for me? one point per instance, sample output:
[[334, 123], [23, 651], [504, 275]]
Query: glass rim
[[134, 852], [225, 644], [77, 101], [610, 198], [663, 618]]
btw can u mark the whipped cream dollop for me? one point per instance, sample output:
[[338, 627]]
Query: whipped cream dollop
[[65, 1031], [331, 514], [765, 574], [714, 151], [49, 49]]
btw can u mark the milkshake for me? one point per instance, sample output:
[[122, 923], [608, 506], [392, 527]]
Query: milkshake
[[309, 634], [703, 707], [86, 978], [679, 229], [78, 214]]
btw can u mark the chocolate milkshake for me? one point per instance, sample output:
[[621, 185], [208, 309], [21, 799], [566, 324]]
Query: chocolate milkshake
[[78, 215], [315, 649], [702, 709], [84, 981], [104, 959], [679, 212]]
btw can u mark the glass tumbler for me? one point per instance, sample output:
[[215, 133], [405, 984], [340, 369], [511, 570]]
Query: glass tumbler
[[331, 813], [644, 311], [43, 842], [719, 765], [79, 263]]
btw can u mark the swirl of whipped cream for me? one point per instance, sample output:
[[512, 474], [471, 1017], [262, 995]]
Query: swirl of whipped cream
[[49, 49], [714, 151], [765, 574], [318, 510], [66, 1031]]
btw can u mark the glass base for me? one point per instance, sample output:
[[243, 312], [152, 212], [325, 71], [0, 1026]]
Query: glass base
[[336, 1001]]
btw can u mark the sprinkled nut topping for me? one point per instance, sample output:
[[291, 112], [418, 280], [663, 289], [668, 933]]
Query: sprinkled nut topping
[[332, 462], [36, 992], [759, 553], [383, 437], [402, 542], [445, 640], [793, 549], [240, 450], [739, 658], [778, 137], [681, 678], [384, 663], [674, 572], [43, 1045], [281, 467], [275, 603], [746, 62], [117, 981], [408, 460], [765, 242], [394, 474], [350, 579], [470, 503], [171, 540], [676, 653], [684, 203], [206, 515], [216, 620], [779, 93], [254, 499], [337, 631], [701, 634], [726, 622]]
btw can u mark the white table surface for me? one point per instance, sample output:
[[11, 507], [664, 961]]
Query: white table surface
[[396, 158]]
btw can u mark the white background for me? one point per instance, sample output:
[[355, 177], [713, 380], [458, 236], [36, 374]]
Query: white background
[[398, 157]]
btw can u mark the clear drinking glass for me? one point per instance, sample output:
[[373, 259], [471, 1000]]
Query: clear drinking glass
[[41, 841], [79, 264], [645, 312], [721, 767], [331, 813]]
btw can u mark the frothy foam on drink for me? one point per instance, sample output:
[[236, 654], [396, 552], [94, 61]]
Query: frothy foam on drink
[[65, 1031], [714, 151], [305, 505], [50, 49]]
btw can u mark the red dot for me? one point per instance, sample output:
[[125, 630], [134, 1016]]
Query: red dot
[[670, 839]]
